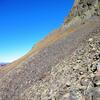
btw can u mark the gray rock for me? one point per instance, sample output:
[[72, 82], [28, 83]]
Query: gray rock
[[93, 67], [98, 66], [96, 93]]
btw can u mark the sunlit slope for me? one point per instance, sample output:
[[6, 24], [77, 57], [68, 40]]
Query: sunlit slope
[[19, 77], [76, 16], [63, 66], [50, 39], [56, 35]]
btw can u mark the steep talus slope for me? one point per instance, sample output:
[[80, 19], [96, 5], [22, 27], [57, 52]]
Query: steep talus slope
[[56, 35], [71, 79], [63, 66]]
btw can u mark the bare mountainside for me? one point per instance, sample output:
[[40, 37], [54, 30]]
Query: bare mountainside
[[63, 66]]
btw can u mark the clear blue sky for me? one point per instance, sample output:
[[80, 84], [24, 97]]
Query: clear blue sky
[[25, 22]]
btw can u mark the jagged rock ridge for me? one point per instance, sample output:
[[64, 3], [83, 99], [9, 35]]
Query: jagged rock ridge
[[82, 11], [64, 66]]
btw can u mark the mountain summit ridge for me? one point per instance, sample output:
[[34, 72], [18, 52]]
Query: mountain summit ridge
[[83, 10], [63, 66]]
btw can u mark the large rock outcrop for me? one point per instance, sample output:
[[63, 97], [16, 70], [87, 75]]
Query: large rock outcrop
[[82, 11]]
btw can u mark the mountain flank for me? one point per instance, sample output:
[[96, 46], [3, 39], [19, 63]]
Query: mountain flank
[[63, 66]]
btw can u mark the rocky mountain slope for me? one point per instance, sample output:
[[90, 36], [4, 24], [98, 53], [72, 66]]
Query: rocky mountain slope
[[63, 66]]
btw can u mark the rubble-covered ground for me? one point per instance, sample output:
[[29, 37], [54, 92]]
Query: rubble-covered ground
[[66, 68], [77, 78]]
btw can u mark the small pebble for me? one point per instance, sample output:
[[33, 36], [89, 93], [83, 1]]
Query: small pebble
[[98, 83], [90, 39], [97, 89], [93, 67]]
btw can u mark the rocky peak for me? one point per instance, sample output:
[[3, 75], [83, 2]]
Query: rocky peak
[[83, 10], [82, 7]]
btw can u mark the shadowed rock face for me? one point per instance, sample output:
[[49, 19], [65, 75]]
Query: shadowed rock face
[[64, 66]]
